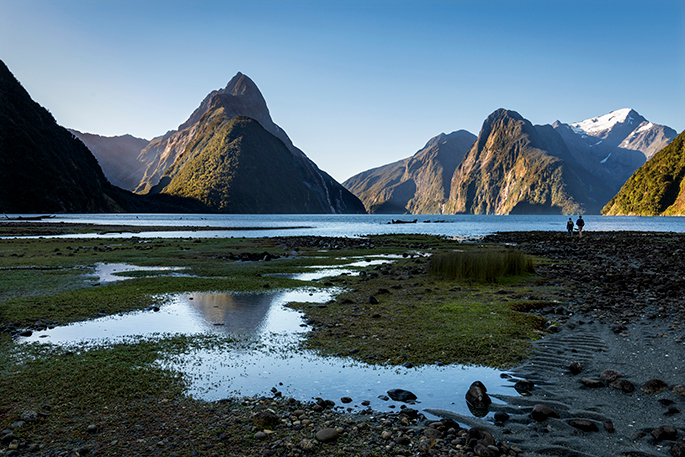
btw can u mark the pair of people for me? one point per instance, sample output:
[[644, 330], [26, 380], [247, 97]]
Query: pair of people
[[580, 223]]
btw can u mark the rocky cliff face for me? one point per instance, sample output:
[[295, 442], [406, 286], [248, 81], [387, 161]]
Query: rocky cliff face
[[233, 165], [510, 171], [43, 167], [117, 156], [241, 97], [518, 168], [419, 184], [657, 188]]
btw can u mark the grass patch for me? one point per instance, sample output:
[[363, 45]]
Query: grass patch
[[485, 266], [398, 313]]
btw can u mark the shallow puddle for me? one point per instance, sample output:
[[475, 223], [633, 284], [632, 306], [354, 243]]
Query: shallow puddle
[[109, 272], [271, 359], [337, 270]]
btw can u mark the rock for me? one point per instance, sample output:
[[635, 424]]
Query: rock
[[592, 383], [671, 410], [584, 425], [679, 389], [484, 451], [386, 435], [29, 416], [307, 445], [575, 368], [477, 396], [260, 436], [501, 417], [481, 435], [92, 428], [408, 365], [373, 300], [432, 433], [403, 440], [524, 387], [7, 437], [664, 433], [409, 412], [609, 426], [610, 376], [327, 435], [623, 385], [265, 419], [653, 386], [678, 449], [401, 395], [541, 413], [346, 400]]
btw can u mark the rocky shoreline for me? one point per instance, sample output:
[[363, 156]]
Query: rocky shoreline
[[624, 312]]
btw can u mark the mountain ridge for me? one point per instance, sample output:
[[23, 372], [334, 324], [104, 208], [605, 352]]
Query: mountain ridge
[[655, 189], [418, 184]]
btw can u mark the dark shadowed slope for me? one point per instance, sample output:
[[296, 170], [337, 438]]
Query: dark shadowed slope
[[419, 184]]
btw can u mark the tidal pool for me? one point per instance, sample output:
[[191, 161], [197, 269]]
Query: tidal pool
[[109, 272], [270, 358]]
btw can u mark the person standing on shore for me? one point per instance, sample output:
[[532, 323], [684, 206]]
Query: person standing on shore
[[580, 223], [569, 226]]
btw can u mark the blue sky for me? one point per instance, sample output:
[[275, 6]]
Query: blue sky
[[355, 84]]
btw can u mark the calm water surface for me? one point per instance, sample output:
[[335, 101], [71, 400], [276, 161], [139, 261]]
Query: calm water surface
[[268, 358], [345, 225]]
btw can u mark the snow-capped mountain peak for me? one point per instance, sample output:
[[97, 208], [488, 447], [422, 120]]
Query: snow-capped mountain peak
[[596, 125]]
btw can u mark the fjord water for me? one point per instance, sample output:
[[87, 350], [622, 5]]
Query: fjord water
[[345, 225]]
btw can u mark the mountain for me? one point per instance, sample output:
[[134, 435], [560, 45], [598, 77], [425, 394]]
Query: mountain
[[516, 168], [614, 145], [234, 165], [117, 156], [566, 168], [657, 188], [166, 156], [43, 167], [419, 184]]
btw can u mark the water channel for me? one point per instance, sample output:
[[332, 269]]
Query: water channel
[[269, 357]]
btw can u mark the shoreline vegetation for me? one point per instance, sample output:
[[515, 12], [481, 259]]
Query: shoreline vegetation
[[117, 400], [24, 228]]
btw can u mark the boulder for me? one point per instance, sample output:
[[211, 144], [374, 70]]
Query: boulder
[[653, 386], [541, 413], [623, 385], [265, 419], [481, 435], [575, 368], [592, 383], [610, 376], [401, 395], [664, 433], [327, 435], [584, 425], [477, 396]]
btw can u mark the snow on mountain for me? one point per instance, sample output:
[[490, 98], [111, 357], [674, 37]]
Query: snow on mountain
[[595, 125]]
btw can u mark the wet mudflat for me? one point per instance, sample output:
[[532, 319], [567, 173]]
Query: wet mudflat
[[83, 408]]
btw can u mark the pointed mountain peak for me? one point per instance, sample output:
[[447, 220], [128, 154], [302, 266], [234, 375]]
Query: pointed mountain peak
[[241, 84], [596, 125], [501, 116]]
